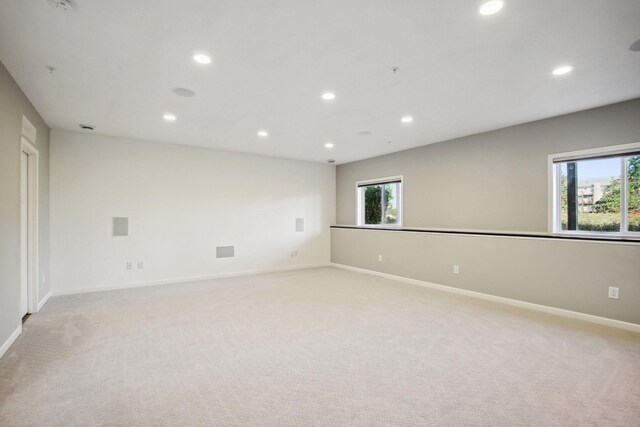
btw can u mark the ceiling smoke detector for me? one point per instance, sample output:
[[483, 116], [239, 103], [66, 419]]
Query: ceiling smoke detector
[[63, 4], [87, 127], [331, 161]]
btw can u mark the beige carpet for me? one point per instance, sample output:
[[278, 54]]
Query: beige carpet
[[314, 347]]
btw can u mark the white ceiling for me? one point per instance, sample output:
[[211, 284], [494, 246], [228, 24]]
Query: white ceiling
[[459, 72]]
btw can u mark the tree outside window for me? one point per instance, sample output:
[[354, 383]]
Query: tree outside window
[[380, 203]]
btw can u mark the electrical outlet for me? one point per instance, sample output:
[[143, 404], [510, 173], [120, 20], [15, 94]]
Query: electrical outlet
[[614, 293], [129, 265], [140, 265], [294, 254], [456, 269], [379, 258]]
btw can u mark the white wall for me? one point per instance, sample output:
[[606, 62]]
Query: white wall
[[181, 202]]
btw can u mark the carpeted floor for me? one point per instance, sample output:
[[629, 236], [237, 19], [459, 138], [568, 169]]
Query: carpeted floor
[[313, 347]]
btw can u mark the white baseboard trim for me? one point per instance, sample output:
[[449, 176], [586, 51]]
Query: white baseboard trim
[[44, 301], [186, 279], [528, 305], [14, 336]]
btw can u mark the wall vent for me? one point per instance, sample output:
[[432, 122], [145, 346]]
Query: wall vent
[[120, 226], [225, 251]]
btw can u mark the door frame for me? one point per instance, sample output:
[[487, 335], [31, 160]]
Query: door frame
[[32, 224]]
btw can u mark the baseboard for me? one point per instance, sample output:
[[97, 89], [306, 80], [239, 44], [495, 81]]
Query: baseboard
[[186, 279], [44, 301], [14, 336], [522, 304]]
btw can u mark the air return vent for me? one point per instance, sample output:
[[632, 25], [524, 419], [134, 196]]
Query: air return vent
[[225, 251]]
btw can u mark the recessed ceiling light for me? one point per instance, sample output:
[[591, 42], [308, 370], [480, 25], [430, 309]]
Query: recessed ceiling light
[[407, 119], [169, 117], [181, 91], [491, 7], [328, 96], [328, 145], [263, 133], [562, 70], [201, 58]]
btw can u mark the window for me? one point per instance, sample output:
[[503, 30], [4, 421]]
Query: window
[[597, 191], [380, 202]]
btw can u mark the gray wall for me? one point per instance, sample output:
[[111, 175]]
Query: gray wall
[[571, 275], [13, 105], [490, 181], [496, 181]]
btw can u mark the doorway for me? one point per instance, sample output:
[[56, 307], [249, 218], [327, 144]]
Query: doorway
[[24, 233], [28, 228]]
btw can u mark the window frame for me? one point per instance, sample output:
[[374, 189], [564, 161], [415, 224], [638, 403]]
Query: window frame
[[554, 193], [379, 181]]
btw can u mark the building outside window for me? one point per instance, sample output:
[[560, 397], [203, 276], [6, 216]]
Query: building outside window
[[597, 191]]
